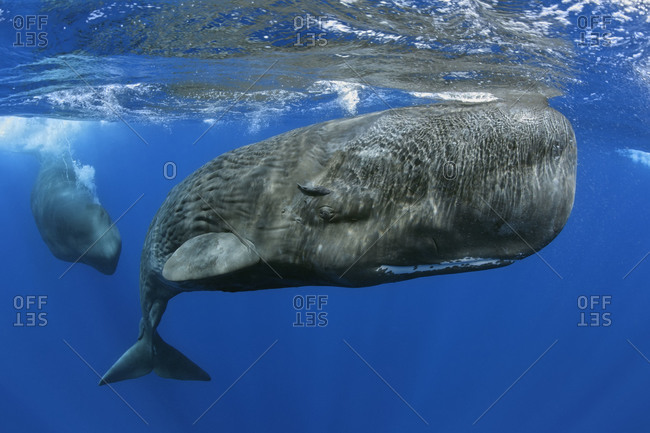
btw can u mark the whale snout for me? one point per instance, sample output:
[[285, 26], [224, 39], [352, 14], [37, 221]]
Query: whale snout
[[551, 137], [104, 255], [105, 251]]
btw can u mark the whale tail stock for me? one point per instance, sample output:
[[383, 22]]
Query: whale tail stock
[[151, 352]]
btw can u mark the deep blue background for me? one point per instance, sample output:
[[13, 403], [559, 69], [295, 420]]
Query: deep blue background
[[449, 345]]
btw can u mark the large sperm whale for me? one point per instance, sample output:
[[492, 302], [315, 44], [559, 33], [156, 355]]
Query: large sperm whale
[[72, 223], [355, 202]]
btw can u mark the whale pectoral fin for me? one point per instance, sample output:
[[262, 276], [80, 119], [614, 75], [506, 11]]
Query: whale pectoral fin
[[209, 255], [136, 362], [170, 363]]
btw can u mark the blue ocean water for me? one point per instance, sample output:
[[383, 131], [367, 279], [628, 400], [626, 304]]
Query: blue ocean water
[[559, 341]]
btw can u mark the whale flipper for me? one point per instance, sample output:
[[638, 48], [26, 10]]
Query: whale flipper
[[209, 255], [160, 357]]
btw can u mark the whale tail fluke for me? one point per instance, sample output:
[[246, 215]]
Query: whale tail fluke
[[146, 355], [172, 364], [135, 362]]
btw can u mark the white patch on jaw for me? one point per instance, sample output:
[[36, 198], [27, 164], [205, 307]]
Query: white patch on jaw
[[467, 262], [320, 247]]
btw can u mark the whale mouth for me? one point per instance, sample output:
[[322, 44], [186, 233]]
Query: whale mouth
[[460, 264], [274, 228]]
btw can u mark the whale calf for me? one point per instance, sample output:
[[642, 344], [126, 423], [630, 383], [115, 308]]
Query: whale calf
[[72, 223], [355, 202]]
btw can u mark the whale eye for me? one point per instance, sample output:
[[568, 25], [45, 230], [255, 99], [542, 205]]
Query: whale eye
[[314, 191], [326, 213]]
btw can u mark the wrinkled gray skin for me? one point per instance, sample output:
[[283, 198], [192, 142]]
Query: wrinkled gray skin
[[70, 221], [356, 202]]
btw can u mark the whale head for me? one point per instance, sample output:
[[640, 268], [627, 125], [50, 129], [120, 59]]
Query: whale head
[[97, 231], [479, 187], [451, 187]]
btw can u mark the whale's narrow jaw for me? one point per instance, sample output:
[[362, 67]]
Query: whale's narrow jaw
[[464, 264]]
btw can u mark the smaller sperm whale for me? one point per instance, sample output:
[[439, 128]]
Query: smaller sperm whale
[[73, 224]]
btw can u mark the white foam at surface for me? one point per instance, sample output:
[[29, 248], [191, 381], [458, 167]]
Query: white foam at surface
[[24, 134], [95, 14], [349, 101], [457, 96], [105, 101], [348, 93], [626, 7], [337, 26], [621, 16], [643, 70], [554, 12], [636, 155]]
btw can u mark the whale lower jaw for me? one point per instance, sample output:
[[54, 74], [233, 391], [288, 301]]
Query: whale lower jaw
[[464, 264]]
